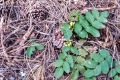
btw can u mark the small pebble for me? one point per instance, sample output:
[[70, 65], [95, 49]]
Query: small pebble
[[22, 74]]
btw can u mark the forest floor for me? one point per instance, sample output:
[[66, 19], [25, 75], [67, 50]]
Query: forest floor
[[23, 20]]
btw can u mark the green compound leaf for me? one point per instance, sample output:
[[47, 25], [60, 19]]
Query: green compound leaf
[[82, 52], [58, 63], [89, 73], [66, 67], [66, 49], [97, 70], [80, 60], [104, 53], [66, 31], [102, 19], [116, 77], [89, 17], [109, 60], [105, 67], [63, 55], [104, 14], [98, 25], [97, 57], [74, 50], [30, 51], [81, 68], [78, 28], [90, 64], [118, 69], [112, 73], [69, 59], [83, 34], [58, 72], [95, 13], [74, 75]]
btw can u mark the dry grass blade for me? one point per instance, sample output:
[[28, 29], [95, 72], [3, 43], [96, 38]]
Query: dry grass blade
[[2, 43]]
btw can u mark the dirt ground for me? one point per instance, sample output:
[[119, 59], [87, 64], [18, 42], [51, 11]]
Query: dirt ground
[[41, 20]]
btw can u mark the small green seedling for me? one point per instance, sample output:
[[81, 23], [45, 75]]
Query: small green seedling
[[33, 47]]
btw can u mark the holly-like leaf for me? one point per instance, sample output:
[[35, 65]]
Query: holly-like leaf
[[66, 67], [112, 73], [58, 63], [63, 55], [74, 50], [89, 73], [90, 64], [30, 51], [95, 13], [66, 49], [97, 57], [97, 70], [66, 31], [83, 34], [78, 28], [105, 67], [69, 59], [58, 72], [74, 75], [83, 52]]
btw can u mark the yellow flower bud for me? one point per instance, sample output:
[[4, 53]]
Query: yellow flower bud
[[68, 43], [72, 23]]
